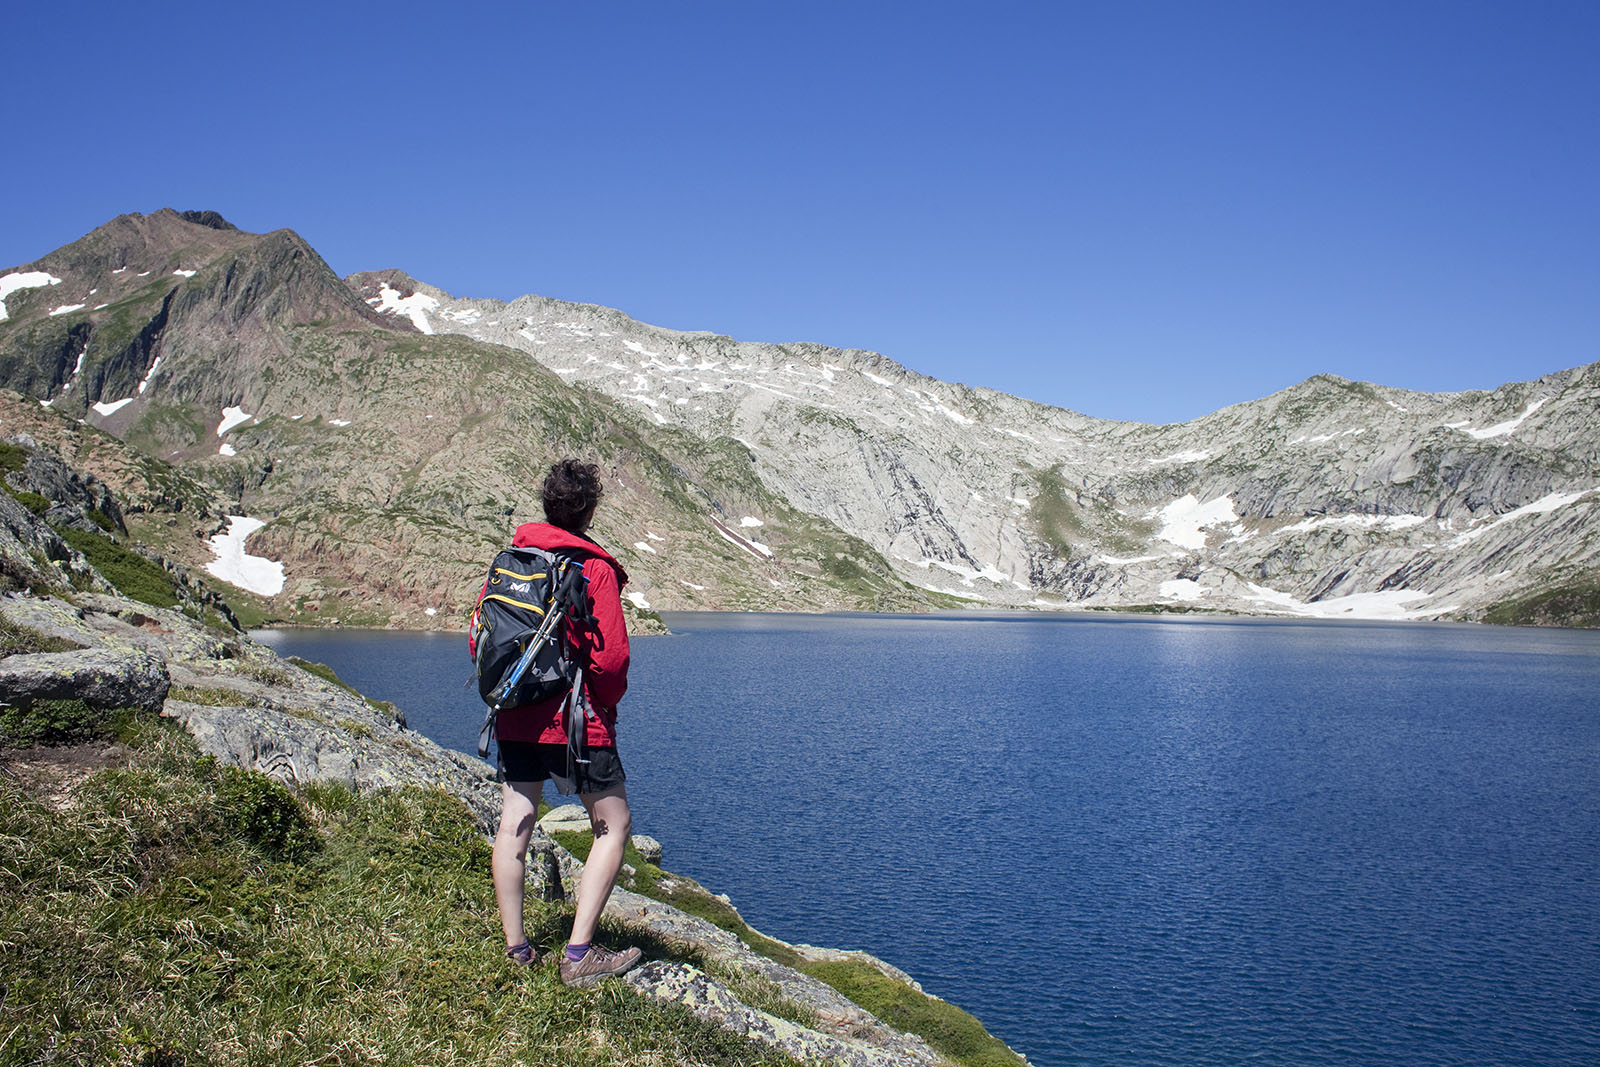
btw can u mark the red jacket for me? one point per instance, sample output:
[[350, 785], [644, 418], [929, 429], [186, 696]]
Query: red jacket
[[606, 677]]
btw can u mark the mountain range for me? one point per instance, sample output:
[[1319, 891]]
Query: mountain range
[[381, 437]]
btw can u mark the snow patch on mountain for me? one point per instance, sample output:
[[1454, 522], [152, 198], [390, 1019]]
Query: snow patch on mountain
[[236, 566], [1392, 604], [18, 280], [415, 307], [1542, 506], [149, 375], [232, 417], [1501, 429], [1185, 520]]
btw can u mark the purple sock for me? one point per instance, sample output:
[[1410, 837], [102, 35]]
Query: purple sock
[[577, 952]]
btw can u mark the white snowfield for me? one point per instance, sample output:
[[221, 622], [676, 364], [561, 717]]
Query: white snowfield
[[415, 307], [1185, 520], [755, 548], [1371, 522], [1186, 589], [226, 450], [1390, 604], [113, 407], [966, 574], [25, 279], [1504, 428], [235, 566], [1541, 506], [150, 376], [67, 309], [1131, 561], [232, 417], [637, 600]]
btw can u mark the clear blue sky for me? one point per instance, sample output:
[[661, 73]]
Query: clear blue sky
[[1140, 210]]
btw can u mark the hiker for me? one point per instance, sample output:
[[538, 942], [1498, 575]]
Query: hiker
[[534, 743]]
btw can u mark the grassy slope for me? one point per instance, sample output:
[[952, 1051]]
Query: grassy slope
[[189, 912]]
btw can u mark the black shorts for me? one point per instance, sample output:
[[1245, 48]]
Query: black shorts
[[529, 761]]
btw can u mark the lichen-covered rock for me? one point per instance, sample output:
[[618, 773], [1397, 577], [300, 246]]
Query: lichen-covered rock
[[570, 817], [309, 737], [33, 556], [649, 848], [836, 1014], [679, 983], [101, 678]]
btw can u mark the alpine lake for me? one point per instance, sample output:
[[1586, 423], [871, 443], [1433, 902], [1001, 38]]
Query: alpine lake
[[1126, 839]]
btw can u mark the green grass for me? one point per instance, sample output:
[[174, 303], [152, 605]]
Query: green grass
[[323, 671], [1055, 517], [32, 501], [134, 576], [208, 696], [1573, 604], [16, 639], [58, 722], [944, 1026], [192, 913], [12, 457]]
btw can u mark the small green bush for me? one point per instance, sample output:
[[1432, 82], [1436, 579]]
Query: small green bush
[[266, 814], [57, 722], [12, 458], [32, 501]]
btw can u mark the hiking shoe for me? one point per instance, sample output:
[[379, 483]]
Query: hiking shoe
[[596, 964]]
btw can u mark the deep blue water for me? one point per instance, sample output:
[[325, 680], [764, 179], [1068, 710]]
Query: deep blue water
[[1122, 840]]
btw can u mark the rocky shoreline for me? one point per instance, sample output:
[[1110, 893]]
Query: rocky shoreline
[[296, 722]]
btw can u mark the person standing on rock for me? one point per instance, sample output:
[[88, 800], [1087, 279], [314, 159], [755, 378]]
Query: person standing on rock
[[533, 741]]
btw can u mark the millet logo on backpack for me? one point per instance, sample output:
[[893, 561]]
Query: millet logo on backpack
[[521, 587]]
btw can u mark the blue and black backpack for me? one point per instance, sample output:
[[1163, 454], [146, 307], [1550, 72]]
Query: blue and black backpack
[[533, 603]]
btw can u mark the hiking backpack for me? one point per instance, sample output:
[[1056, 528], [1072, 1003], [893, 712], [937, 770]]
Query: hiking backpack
[[522, 632]]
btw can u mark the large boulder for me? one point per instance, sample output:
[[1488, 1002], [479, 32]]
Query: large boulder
[[100, 677]]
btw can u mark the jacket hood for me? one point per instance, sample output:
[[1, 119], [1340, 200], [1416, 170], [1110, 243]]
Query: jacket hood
[[543, 535]]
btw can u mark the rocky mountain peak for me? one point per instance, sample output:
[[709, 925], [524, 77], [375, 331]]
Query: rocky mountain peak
[[207, 218]]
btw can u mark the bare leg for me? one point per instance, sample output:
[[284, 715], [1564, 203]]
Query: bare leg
[[519, 808], [611, 822]]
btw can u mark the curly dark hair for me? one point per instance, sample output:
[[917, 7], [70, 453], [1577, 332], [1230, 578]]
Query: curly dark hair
[[571, 491]]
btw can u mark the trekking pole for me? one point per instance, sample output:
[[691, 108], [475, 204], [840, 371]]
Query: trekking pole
[[536, 642], [502, 692]]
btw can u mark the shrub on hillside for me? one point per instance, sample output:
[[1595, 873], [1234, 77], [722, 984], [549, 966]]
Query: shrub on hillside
[[134, 576]]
